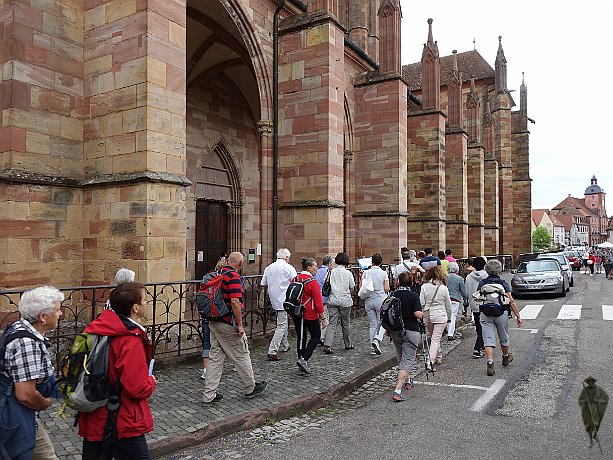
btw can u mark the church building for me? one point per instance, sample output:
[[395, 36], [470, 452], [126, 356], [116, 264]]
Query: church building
[[160, 134]]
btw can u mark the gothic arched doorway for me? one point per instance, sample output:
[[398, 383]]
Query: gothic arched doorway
[[218, 206]]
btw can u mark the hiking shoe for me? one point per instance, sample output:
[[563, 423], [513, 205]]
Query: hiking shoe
[[450, 338], [203, 375], [430, 368], [507, 359], [257, 389], [398, 397], [328, 350], [272, 357], [349, 347], [490, 369], [408, 385], [438, 361], [373, 352], [303, 365], [218, 397], [286, 350], [376, 346], [478, 354]]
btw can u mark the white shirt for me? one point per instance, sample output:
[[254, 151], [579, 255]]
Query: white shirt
[[406, 266], [277, 277], [341, 282]]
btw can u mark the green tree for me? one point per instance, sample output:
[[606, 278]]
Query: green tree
[[540, 239]]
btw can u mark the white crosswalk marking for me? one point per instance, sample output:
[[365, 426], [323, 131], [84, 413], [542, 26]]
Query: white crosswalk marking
[[607, 312], [570, 312], [530, 311]]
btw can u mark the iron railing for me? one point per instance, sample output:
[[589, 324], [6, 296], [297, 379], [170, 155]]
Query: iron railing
[[172, 321]]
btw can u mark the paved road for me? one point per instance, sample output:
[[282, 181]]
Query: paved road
[[528, 410]]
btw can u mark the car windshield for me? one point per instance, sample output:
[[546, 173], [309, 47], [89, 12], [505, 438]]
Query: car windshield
[[558, 257], [538, 266]]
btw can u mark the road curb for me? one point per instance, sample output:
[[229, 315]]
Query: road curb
[[250, 420]]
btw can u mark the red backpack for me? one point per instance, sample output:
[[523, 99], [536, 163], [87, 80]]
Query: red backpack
[[209, 298]]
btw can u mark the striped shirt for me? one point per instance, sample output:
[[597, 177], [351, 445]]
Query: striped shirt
[[231, 286], [27, 359]]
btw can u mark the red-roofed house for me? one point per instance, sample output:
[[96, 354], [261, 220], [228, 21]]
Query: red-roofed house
[[589, 211]]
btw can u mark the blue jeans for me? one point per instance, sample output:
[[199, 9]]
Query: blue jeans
[[206, 339]]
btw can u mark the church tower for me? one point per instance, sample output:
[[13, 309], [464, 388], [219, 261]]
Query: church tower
[[595, 196]]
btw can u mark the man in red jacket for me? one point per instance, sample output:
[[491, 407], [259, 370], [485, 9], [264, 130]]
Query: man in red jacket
[[129, 356]]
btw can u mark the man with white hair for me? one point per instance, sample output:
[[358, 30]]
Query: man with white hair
[[124, 275], [27, 385], [277, 277]]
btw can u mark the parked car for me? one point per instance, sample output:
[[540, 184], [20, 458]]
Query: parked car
[[538, 277], [573, 259], [563, 261]]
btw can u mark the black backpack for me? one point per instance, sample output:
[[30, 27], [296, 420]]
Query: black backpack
[[7, 337], [391, 314], [293, 296]]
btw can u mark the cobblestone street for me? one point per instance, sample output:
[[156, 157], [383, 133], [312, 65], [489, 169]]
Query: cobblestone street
[[178, 410]]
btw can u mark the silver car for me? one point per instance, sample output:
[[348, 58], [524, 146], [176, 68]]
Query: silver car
[[539, 276], [564, 263]]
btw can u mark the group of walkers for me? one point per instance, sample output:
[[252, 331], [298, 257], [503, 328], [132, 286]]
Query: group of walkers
[[434, 295]]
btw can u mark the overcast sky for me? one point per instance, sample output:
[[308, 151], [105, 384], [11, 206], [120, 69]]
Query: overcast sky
[[564, 50]]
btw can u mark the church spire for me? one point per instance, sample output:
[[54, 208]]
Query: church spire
[[501, 68], [523, 103], [431, 73], [389, 36], [473, 119], [456, 116]]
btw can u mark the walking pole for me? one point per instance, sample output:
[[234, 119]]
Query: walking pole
[[425, 346]]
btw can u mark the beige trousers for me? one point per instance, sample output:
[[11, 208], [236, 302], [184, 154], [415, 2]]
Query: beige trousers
[[44, 447], [225, 344]]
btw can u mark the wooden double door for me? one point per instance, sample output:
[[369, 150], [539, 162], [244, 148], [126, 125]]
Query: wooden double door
[[211, 235]]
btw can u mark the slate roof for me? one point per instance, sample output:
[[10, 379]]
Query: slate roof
[[470, 63]]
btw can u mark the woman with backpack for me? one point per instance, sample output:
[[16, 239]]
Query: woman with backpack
[[129, 357], [496, 325], [436, 305], [312, 316], [340, 302], [407, 339], [372, 303]]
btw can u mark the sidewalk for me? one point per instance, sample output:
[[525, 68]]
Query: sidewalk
[[181, 420]]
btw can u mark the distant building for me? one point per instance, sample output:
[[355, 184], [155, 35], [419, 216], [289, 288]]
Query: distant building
[[585, 218]]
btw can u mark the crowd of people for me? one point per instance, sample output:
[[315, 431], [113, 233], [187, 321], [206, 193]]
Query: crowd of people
[[596, 261], [433, 293]]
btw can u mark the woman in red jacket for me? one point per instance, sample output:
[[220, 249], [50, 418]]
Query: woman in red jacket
[[313, 314], [129, 357]]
